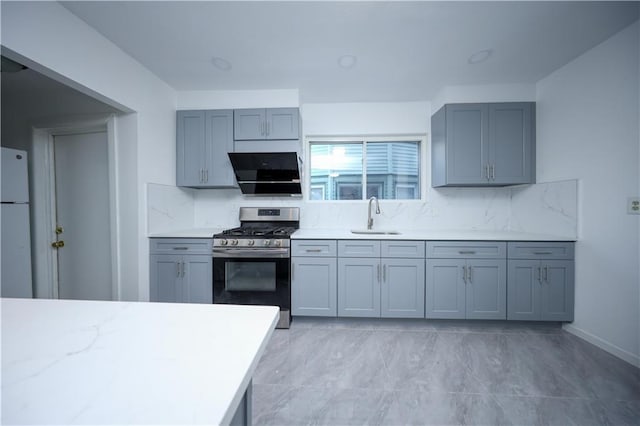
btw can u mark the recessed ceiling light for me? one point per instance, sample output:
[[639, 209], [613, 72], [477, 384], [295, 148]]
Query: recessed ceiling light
[[221, 63], [480, 56], [347, 61]]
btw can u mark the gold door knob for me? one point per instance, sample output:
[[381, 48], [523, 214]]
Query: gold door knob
[[57, 244], [59, 230]]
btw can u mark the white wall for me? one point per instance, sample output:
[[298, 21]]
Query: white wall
[[233, 99], [444, 208], [588, 130], [48, 38], [484, 93]]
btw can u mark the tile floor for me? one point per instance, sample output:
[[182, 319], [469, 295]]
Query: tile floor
[[396, 372]]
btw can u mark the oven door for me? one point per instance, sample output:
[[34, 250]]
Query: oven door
[[245, 280]]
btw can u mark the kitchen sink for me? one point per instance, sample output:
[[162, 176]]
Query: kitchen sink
[[374, 232]]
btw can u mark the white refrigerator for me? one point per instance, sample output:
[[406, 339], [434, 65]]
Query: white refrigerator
[[16, 237]]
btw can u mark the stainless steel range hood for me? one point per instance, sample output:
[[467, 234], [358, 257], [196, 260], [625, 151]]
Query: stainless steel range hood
[[267, 173]]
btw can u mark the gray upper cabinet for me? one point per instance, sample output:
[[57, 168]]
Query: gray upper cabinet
[[541, 282], [266, 124], [203, 139], [489, 144]]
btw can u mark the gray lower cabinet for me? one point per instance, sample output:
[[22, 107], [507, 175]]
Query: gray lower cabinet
[[203, 139], [484, 144], [466, 280], [359, 287], [541, 282], [402, 289], [314, 278], [314, 286], [373, 286], [181, 278]]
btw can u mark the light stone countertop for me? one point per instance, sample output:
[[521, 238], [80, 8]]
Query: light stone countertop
[[453, 235], [187, 233], [87, 362]]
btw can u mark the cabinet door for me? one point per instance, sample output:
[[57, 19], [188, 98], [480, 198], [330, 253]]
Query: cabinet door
[[314, 286], [445, 289], [486, 289], [219, 137], [467, 147], [402, 288], [164, 278], [511, 148], [523, 289], [283, 123], [249, 124], [197, 279], [359, 287], [190, 148], [557, 294]]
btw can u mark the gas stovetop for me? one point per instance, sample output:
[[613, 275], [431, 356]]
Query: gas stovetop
[[259, 231], [260, 228]]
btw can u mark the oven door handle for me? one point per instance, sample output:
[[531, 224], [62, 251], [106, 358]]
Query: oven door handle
[[250, 253]]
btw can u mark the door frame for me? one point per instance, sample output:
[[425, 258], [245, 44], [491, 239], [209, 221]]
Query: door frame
[[43, 207]]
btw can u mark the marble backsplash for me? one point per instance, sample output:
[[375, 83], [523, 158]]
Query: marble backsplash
[[169, 208], [546, 208]]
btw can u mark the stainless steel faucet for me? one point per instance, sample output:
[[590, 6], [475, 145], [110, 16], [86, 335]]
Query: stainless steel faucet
[[369, 218]]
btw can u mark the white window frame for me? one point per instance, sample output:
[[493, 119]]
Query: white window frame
[[404, 186], [321, 187], [422, 169]]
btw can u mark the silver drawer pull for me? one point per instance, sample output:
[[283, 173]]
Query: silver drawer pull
[[467, 252], [313, 250], [542, 252], [181, 248]]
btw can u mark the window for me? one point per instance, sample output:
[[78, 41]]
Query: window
[[341, 169]]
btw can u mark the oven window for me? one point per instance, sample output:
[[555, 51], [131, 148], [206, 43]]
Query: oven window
[[250, 276]]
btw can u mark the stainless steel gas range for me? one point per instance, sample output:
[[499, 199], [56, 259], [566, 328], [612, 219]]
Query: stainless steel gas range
[[252, 263]]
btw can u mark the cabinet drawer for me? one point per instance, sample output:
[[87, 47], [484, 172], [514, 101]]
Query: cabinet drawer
[[464, 249], [180, 245], [314, 248], [541, 250], [358, 248], [403, 249]]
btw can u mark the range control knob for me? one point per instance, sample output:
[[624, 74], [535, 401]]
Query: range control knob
[[278, 243], [234, 242], [250, 242], [267, 242], [223, 242]]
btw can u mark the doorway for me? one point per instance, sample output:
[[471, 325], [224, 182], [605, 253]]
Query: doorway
[[74, 211], [82, 216]]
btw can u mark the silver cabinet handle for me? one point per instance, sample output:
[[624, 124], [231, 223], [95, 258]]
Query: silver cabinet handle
[[493, 172], [378, 272], [546, 271], [464, 274], [469, 269], [539, 275], [384, 272], [183, 268], [177, 269], [180, 248], [466, 252], [313, 250], [486, 171], [542, 252], [206, 175]]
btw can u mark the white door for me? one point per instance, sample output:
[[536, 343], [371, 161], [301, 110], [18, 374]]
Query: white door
[[82, 211]]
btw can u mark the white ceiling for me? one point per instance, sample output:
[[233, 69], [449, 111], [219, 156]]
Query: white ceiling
[[405, 50]]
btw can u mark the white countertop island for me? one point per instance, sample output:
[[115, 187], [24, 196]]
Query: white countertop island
[[84, 362]]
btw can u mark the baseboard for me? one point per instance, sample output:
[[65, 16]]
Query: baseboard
[[603, 344]]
